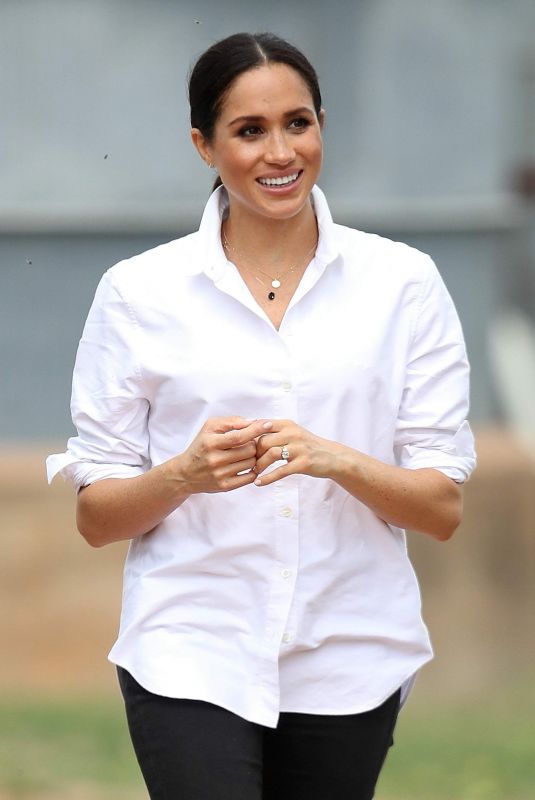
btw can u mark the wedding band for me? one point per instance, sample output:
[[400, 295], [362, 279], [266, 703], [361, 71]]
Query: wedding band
[[285, 455]]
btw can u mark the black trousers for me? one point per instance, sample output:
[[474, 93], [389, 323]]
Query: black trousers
[[192, 750]]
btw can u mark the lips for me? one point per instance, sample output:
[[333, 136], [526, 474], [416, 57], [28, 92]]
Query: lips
[[282, 180]]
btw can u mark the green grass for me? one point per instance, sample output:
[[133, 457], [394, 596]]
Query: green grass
[[79, 750], [475, 751], [51, 747]]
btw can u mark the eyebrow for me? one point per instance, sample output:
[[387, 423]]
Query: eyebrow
[[258, 118]]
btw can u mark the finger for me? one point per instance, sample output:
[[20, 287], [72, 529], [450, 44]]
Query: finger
[[215, 456], [222, 462], [275, 475], [236, 481], [225, 424], [236, 438], [269, 458], [240, 466], [268, 441], [282, 431], [234, 454], [243, 478]]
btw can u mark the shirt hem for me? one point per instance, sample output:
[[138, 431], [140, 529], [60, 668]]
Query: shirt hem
[[270, 719]]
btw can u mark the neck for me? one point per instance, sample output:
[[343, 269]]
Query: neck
[[272, 241]]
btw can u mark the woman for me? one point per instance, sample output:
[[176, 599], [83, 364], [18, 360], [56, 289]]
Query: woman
[[262, 407]]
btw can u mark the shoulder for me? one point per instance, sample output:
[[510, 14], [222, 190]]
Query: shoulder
[[364, 252], [173, 261], [386, 257], [390, 274]]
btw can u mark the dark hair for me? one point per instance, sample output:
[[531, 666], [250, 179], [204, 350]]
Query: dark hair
[[223, 62]]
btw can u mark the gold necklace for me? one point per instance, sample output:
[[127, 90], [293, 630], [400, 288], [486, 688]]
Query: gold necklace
[[275, 280]]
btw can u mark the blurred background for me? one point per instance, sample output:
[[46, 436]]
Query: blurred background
[[430, 139]]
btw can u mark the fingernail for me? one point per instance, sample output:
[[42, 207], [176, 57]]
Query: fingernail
[[267, 424], [250, 419], [258, 482]]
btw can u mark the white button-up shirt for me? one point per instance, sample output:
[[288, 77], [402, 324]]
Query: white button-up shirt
[[293, 596]]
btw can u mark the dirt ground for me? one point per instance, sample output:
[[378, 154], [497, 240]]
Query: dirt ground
[[60, 598], [80, 793]]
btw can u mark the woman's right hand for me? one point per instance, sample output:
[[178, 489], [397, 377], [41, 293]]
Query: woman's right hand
[[221, 457], [123, 508]]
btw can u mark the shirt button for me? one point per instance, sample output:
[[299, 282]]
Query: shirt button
[[286, 573], [287, 386], [286, 637], [286, 511]]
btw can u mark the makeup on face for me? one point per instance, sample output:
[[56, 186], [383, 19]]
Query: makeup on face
[[267, 144]]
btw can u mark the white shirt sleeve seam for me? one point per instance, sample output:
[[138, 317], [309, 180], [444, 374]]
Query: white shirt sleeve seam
[[135, 323]]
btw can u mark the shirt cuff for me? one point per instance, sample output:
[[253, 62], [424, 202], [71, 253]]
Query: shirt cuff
[[450, 453], [458, 469], [81, 473]]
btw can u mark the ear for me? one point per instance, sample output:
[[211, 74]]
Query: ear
[[202, 146], [321, 119]]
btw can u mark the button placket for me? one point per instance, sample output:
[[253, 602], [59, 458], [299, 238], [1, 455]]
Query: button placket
[[286, 550], [289, 526], [284, 384], [286, 527], [286, 573]]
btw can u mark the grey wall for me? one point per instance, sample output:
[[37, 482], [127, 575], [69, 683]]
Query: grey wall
[[429, 112], [421, 97]]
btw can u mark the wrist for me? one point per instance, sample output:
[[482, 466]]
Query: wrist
[[343, 465], [174, 478]]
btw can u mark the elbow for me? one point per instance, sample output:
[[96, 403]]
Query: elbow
[[89, 533], [445, 532], [450, 514], [449, 521], [87, 527], [93, 541]]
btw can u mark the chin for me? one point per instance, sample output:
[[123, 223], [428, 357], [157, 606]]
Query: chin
[[285, 208], [276, 208]]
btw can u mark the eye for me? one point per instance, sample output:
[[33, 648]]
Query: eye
[[301, 123], [249, 130]]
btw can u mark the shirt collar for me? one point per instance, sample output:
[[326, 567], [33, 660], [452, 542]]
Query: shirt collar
[[328, 245], [213, 261]]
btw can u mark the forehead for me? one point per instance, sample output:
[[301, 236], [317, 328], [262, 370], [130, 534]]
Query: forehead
[[269, 88]]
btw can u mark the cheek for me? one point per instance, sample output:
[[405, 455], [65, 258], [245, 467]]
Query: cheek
[[239, 167], [312, 150], [317, 149]]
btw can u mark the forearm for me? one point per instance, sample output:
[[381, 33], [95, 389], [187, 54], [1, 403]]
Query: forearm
[[122, 508], [220, 459], [423, 500]]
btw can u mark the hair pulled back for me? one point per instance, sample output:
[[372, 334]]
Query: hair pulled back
[[223, 62]]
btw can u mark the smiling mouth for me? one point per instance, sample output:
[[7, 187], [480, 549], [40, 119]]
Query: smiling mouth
[[283, 181]]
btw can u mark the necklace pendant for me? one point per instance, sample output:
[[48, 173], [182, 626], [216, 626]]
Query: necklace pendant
[[275, 283], [271, 296]]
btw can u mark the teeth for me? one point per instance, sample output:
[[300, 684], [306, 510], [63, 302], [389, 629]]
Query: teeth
[[279, 181]]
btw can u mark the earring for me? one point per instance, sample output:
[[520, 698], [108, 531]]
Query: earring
[[211, 165]]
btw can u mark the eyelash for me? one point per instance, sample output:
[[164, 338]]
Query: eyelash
[[245, 131]]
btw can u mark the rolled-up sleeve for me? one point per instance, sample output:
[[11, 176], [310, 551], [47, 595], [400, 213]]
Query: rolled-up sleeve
[[432, 428], [108, 407]]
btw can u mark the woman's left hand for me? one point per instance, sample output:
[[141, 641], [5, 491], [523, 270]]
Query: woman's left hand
[[307, 454], [422, 499]]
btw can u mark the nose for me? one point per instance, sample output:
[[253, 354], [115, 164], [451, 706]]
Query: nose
[[280, 149]]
